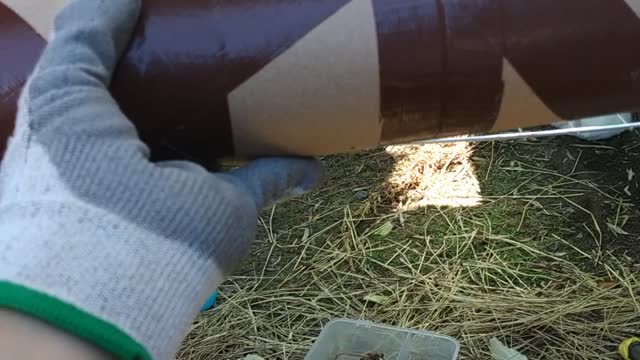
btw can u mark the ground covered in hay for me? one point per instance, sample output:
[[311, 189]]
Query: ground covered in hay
[[534, 242]]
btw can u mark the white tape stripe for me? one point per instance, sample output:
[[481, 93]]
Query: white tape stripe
[[37, 13]]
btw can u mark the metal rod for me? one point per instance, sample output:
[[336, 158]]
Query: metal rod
[[531, 134]]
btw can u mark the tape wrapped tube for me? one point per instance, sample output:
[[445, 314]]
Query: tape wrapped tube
[[203, 79]]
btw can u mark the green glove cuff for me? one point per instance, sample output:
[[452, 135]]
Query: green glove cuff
[[72, 320]]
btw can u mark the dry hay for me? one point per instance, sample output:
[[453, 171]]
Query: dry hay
[[511, 267], [566, 313], [433, 174]]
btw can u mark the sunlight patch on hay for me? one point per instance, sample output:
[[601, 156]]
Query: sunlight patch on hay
[[433, 174]]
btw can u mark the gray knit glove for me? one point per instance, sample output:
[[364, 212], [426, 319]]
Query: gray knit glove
[[96, 239]]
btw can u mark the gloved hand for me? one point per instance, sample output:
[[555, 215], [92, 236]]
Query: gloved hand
[[96, 239]]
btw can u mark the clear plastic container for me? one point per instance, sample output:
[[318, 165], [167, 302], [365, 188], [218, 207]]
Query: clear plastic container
[[355, 340]]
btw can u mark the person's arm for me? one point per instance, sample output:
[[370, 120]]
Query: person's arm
[[23, 337], [95, 239]]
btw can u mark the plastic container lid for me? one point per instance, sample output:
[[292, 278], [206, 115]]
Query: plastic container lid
[[355, 340], [616, 119]]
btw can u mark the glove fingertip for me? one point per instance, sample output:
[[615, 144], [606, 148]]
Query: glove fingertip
[[272, 180]]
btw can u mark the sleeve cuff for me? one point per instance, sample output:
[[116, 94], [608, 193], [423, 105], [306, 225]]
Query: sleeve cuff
[[72, 320]]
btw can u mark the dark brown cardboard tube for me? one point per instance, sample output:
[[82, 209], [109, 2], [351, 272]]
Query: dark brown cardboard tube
[[412, 67], [204, 79], [20, 47]]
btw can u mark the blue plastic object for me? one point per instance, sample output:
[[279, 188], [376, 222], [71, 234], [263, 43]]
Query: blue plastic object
[[211, 302]]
